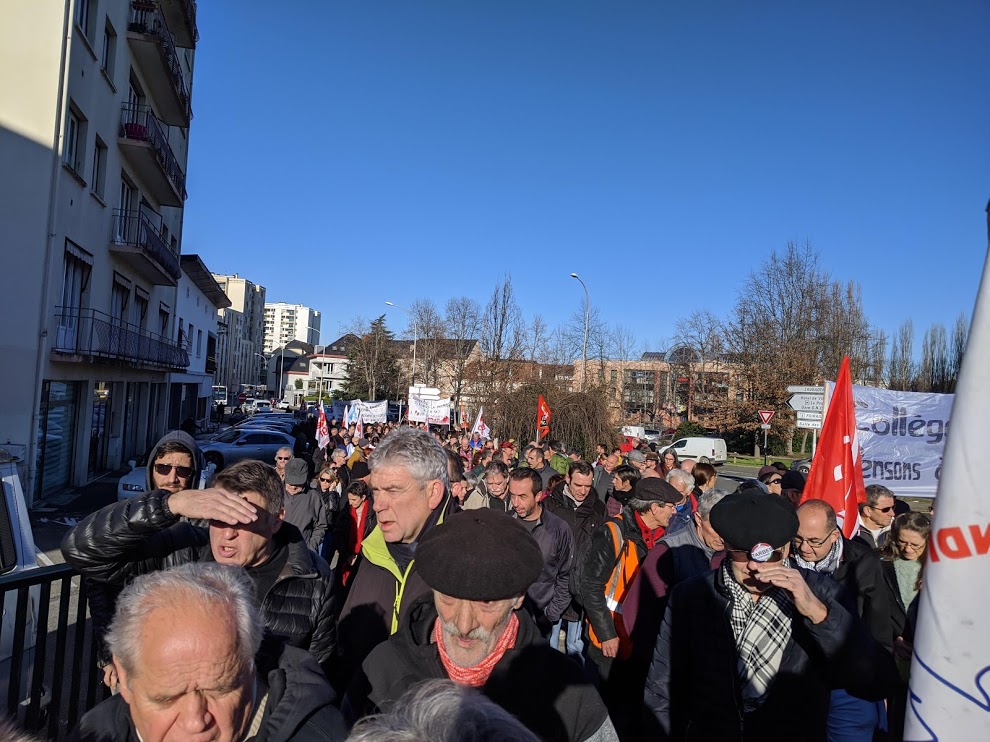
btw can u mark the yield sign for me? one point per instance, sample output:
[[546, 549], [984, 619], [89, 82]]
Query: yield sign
[[766, 416]]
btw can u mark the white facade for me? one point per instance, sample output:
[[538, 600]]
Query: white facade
[[242, 363], [94, 123], [287, 322]]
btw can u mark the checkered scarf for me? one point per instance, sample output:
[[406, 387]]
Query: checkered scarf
[[762, 629]]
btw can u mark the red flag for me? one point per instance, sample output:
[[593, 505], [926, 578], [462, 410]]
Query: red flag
[[836, 472], [322, 431], [542, 418]]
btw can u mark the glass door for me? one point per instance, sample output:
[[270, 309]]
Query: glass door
[[99, 437]]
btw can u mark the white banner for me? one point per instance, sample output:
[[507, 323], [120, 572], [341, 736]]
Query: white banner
[[903, 435], [433, 411], [949, 696], [371, 412]]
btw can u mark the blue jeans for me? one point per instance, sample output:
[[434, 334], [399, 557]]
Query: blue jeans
[[573, 643], [852, 719]]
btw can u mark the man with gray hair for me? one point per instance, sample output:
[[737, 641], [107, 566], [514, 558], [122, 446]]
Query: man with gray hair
[[684, 483], [183, 642], [410, 485]]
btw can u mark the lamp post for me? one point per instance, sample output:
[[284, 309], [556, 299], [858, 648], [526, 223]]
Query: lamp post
[[587, 321], [320, 381], [415, 337]]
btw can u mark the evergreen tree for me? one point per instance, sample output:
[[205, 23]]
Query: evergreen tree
[[372, 369]]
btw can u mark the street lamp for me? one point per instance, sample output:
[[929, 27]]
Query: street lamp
[[415, 337], [587, 321]]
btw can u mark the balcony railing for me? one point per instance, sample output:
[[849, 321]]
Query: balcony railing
[[147, 18], [93, 334], [135, 229], [140, 123]]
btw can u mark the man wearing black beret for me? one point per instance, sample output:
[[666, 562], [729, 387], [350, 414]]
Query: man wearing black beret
[[472, 630], [751, 650]]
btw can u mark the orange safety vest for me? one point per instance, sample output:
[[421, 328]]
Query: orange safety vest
[[626, 566]]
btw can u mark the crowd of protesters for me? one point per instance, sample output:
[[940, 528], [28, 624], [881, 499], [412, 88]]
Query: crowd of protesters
[[403, 583]]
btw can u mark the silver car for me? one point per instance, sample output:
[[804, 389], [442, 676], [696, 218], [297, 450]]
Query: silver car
[[238, 444]]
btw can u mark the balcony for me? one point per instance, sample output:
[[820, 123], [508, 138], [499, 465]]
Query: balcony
[[136, 241], [180, 15], [85, 334], [144, 143], [153, 47]]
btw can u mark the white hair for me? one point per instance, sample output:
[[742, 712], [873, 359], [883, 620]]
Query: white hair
[[681, 477], [215, 587], [417, 451], [442, 711], [708, 500]]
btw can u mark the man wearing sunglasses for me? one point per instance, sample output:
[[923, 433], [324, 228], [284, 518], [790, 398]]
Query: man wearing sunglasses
[[752, 649], [876, 513], [820, 547]]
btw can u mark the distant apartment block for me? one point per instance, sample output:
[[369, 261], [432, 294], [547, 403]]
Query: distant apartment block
[[95, 110], [287, 322], [240, 360]]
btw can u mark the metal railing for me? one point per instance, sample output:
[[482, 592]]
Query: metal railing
[[135, 228], [51, 676], [189, 11], [146, 18], [140, 123], [87, 332]]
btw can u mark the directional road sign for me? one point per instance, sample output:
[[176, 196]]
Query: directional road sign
[[802, 415], [805, 390], [809, 424], [807, 402], [766, 416]]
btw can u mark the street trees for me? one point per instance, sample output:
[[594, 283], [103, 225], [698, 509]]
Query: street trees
[[372, 369]]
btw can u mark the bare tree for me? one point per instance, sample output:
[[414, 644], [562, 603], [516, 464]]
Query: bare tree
[[372, 370], [462, 320], [428, 328], [933, 369], [960, 332], [901, 366], [503, 339], [537, 337]]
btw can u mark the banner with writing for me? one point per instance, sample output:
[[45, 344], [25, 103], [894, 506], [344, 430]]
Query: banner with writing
[[432, 411]]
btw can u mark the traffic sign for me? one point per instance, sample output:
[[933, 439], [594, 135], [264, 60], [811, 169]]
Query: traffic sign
[[766, 416], [242, 398], [797, 389], [809, 424], [803, 415], [765, 426], [807, 402]]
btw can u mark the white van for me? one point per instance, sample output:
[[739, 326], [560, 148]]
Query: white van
[[702, 450]]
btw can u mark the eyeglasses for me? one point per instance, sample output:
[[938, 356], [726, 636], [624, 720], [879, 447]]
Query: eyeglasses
[[814, 543], [282, 458], [741, 555], [886, 509], [775, 481], [183, 471], [905, 545]]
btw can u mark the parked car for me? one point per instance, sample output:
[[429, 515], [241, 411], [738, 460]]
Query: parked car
[[262, 406], [283, 405], [702, 450], [652, 435], [135, 481], [247, 406], [238, 444], [802, 465]]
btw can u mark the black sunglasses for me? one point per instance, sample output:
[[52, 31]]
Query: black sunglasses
[[183, 471], [775, 481]]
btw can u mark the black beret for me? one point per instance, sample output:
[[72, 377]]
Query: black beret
[[745, 519], [792, 479], [359, 470], [479, 555], [655, 488]]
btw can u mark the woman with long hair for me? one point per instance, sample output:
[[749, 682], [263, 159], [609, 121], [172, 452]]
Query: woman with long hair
[[356, 522], [668, 462], [327, 485]]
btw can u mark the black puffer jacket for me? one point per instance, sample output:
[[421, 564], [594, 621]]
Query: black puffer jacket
[[133, 537], [298, 708], [583, 520], [693, 688]]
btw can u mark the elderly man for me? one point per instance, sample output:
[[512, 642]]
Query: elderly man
[[471, 630], [183, 643], [245, 511], [637, 460], [493, 491], [410, 485], [282, 458], [303, 507], [819, 546], [684, 483], [876, 515], [750, 651], [550, 594], [606, 573]]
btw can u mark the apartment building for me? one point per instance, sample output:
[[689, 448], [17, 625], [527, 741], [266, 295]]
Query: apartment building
[[240, 359], [95, 110], [287, 322]]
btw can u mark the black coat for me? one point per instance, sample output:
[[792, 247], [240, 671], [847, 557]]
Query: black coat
[[861, 575], [693, 689], [125, 539], [583, 521], [897, 616], [299, 708], [543, 688]]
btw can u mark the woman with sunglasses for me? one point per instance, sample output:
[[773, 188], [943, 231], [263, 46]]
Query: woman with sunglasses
[[771, 477], [902, 563]]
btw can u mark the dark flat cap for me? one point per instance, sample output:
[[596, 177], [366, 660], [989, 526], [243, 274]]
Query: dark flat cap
[[297, 472], [479, 555], [764, 470], [359, 470], [656, 488], [792, 479], [745, 519]]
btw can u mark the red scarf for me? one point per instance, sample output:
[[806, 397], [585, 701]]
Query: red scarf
[[477, 676], [650, 536], [357, 537]]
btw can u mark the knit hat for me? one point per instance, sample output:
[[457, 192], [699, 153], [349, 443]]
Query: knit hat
[[479, 555], [745, 519], [655, 488], [297, 472]]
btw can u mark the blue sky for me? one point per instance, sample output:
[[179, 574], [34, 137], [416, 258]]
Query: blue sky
[[345, 153]]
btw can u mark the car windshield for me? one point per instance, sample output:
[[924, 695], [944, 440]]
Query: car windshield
[[228, 436]]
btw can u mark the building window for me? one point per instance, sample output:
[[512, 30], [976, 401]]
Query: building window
[[189, 337], [140, 312], [199, 343], [99, 167], [75, 280], [182, 329], [164, 315], [109, 57], [120, 297], [75, 137], [85, 12]]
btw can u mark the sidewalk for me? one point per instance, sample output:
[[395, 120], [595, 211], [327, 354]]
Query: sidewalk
[[52, 517]]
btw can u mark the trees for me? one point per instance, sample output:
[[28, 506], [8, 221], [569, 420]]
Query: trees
[[502, 337], [372, 369], [462, 320]]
